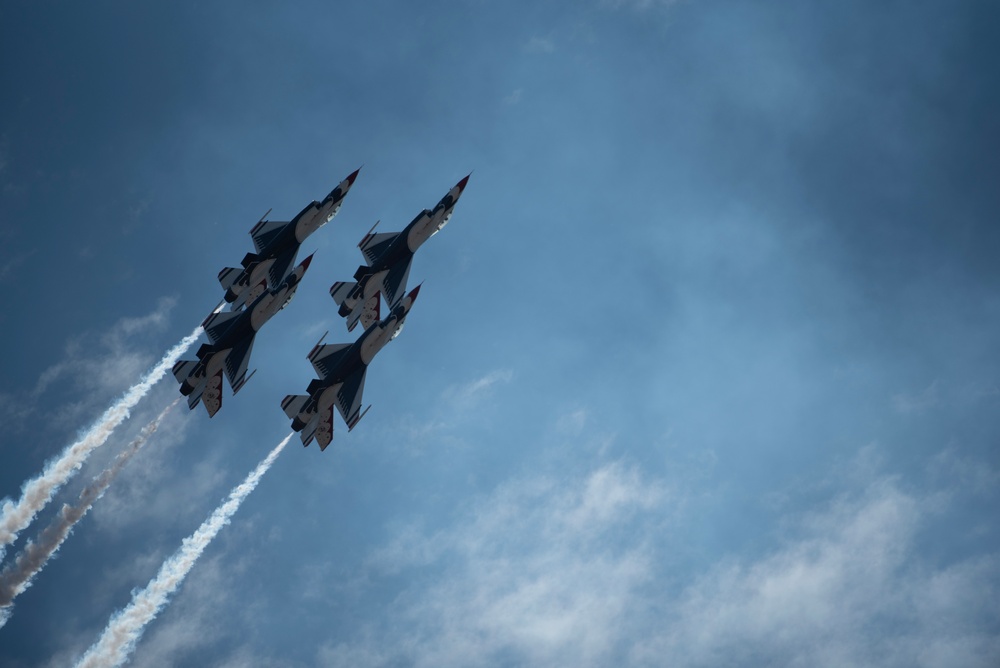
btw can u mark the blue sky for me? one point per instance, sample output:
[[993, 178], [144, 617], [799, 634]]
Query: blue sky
[[703, 371]]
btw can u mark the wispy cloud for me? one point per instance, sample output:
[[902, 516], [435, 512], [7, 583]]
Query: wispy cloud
[[468, 393], [530, 577], [850, 591], [12, 264], [570, 571], [540, 45], [513, 98], [918, 402]]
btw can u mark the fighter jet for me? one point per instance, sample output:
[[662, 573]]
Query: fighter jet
[[389, 255], [276, 245], [341, 368], [231, 335]]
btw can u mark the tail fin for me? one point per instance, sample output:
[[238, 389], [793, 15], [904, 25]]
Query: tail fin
[[228, 276], [293, 404]]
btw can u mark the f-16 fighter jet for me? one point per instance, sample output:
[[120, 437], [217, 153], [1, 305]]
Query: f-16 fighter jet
[[230, 335], [341, 368], [276, 245], [389, 255]]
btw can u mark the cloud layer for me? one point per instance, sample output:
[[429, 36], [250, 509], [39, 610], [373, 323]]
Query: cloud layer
[[575, 571]]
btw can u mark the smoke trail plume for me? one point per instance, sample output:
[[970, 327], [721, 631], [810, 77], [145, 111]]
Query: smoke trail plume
[[37, 492], [126, 627], [17, 577]]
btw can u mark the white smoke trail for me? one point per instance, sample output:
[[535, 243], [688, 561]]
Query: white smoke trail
[[37, 492], [18, 576], [126, 627]]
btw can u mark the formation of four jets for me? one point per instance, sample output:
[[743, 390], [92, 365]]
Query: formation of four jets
[[267, 282]]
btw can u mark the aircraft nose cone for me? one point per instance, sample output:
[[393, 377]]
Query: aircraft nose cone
[[353, 175], [413, 293], [461, 184], [305, 263]]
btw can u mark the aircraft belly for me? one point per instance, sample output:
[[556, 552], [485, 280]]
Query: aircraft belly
[[374, 284], [260, 271], [416, 236], [373, 343], [306, 224], [327, 398]]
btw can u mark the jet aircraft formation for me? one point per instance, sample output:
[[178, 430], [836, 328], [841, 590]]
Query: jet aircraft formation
[[266, 284]]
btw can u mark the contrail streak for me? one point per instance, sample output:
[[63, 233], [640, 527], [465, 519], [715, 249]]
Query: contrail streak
[[37, 492], [126, 627], [17, 577]]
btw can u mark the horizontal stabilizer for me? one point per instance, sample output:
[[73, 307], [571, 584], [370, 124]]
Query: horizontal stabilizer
[[340, 290], [228, 276], [293, 404], [182, 370], [195, 397], [307, 433]]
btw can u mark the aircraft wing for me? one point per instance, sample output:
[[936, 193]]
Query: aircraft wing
[[373, 245], [264, 233], [394, 282], [280, 267], [216, 324], [237, 361], [349, 397], [326, 359]]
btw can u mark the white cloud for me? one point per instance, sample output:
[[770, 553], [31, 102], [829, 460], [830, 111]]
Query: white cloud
[[540, 45], [463, 396], [572, 570], [95, 367], [109, 363], [918, 402], [530, 577], [851, 591]]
